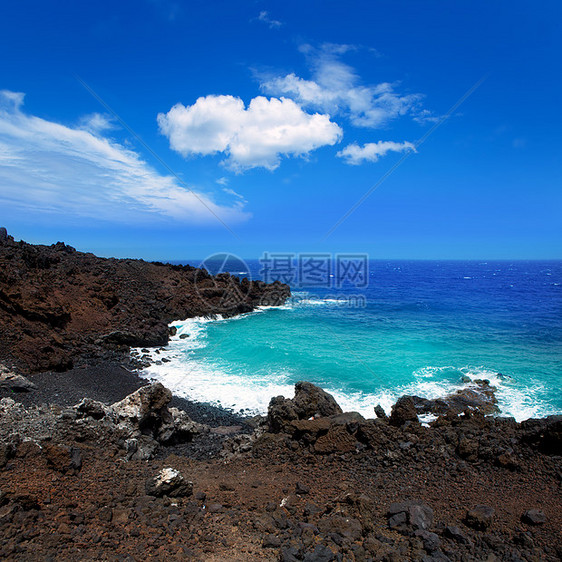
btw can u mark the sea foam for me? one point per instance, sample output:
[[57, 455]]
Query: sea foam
[[205, 379]]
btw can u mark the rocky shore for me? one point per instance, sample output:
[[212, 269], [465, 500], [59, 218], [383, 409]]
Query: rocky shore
[[98, 464], [107, 481]]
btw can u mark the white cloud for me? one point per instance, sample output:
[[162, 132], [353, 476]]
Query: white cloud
[[425, 116], [234, 193], [372, 151], [265, 18], [256, 136], [47, 168], [335, 88], [96, 123]]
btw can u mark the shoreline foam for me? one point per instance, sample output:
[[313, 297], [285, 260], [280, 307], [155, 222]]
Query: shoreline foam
[[202, 381]]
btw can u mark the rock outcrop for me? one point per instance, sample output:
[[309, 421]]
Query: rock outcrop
[[144, 420], [310, 401], [14, 382], [477, 395], [60, 307]]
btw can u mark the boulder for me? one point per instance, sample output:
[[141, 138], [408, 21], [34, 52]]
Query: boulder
[[533, 517], [311, 401], [180, 428], [168, 482], [403, 411], [14, 382], [408, 516], [280, 413], [91, 408], [480, 517], [144, 419], [144, 410], [456, 534], [430, 541]]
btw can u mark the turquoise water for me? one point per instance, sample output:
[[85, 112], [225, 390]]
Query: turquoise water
[[418, 327]]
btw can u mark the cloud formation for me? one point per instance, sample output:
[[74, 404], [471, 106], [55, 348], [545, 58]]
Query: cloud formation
[[256, 136], [335, 88], [47, 168], [265, 18], [372, 151]]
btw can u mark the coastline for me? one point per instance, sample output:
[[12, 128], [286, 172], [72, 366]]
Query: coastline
[[97, 462], [306, 483]]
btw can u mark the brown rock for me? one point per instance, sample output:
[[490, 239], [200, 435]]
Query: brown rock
[[337, 440], [403, 411], [533, 517], [62, 458], [480, 517], [311, 401]]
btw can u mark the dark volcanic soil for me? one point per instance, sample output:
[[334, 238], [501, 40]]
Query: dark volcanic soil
[[275, 496]]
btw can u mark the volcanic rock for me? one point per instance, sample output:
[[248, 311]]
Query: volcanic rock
[[64, 459], [478, 396], [59, 307], [403, 411], [310, 401], [480, 517], [413, 514], [545, 434], [456, 534], [15, 382], [337, 440], [533, 517], [380, 413], [431, 541], [168, 482]]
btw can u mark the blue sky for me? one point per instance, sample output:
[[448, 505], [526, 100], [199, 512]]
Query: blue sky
[[255, 126]]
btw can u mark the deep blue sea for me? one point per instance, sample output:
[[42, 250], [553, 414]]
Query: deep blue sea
[[418, 327]]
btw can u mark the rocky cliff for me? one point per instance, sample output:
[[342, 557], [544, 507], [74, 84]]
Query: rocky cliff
[[59, 307]]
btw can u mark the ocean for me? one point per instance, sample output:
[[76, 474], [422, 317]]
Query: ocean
[[412, 327]]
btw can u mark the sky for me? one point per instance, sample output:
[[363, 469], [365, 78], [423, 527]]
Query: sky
[[170, 130]]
